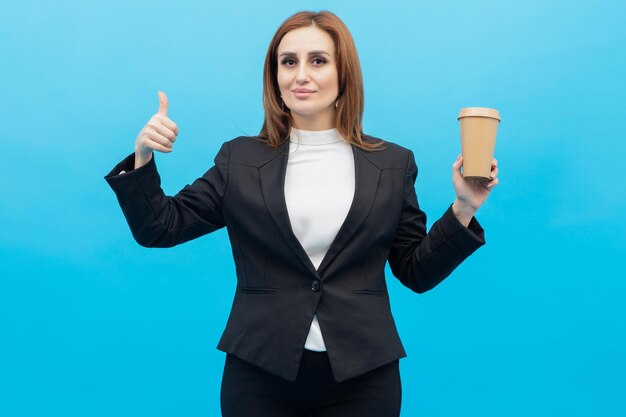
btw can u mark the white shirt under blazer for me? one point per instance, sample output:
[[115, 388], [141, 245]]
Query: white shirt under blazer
[[319, 188]]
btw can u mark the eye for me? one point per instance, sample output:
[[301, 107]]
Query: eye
[[316, 60]]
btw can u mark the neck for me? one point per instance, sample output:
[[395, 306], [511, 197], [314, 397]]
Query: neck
[[322, 121]]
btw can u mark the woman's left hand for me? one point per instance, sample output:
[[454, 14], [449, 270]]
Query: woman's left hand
[[472, 193]]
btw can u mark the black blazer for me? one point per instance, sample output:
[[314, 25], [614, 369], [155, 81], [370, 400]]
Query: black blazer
[[278, 288]]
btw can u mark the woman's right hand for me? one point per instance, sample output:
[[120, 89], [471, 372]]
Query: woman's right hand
[[159, 134]]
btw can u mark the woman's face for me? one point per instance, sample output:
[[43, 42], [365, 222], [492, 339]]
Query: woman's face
[[307, 77]]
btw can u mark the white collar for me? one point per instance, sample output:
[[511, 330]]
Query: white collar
[[314, 137]]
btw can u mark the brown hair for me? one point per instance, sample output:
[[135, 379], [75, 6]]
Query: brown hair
[[349, 112]]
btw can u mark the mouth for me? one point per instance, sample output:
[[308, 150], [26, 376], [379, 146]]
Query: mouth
[[302, 93]]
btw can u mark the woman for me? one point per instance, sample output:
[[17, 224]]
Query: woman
[[314, 209]]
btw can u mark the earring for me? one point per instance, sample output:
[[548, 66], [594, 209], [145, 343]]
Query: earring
[[336, 103], [282, 104]]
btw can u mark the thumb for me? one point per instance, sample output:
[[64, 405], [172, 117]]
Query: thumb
[[162, 104], [456, 166], [458, 163]]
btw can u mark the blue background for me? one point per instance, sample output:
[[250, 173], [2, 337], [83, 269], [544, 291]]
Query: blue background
[[92, 324]]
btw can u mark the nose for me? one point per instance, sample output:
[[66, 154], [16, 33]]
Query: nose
[[302, 76]]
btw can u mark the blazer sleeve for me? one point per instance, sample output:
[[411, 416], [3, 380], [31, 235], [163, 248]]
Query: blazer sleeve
[[422, 260], [161, 221]]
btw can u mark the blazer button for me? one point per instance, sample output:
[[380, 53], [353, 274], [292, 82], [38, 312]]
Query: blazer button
[[315, 285]]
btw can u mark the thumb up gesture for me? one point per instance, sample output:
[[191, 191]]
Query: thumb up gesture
[[158, 134]]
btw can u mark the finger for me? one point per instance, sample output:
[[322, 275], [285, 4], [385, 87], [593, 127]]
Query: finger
[[152, 143], [155, 136], [159, 147], [494, 173], [458, 163], [492, 183], [163, 104], [167, 122], [163, 130], [457, 175]]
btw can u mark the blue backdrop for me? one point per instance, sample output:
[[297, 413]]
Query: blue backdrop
[[92, 324]]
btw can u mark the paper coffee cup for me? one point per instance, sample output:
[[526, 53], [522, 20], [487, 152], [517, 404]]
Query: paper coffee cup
[[479, 126]]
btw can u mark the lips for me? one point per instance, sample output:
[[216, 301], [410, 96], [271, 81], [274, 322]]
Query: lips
[[302, 93]]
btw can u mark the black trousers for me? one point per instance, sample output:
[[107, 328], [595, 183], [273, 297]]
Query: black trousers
[[249, 391]]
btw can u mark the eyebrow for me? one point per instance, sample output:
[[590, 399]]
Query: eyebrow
[[310, 53]]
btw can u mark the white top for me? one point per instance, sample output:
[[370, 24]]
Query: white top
[[319, 189]]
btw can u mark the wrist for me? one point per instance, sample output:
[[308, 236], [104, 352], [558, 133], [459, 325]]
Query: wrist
[[141, 158], [463, 212]]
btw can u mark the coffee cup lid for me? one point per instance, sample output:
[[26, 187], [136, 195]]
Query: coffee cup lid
[[479, 112]]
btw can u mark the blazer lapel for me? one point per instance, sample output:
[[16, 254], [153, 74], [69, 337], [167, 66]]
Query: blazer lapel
[[366, 183], [272, 175]]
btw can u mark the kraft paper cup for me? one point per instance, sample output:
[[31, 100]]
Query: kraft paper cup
[[479, 126]]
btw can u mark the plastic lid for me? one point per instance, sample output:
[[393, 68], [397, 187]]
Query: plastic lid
[[479, 112]]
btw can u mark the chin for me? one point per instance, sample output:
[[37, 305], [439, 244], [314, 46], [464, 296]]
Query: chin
[[308, 110], [304, 112]]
